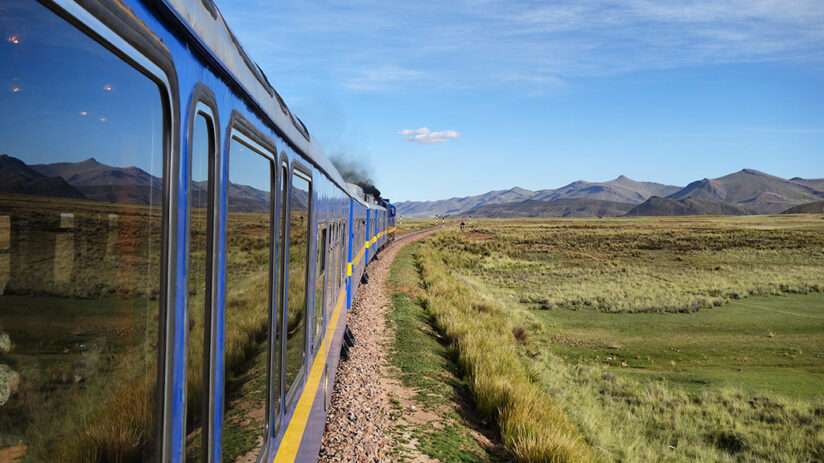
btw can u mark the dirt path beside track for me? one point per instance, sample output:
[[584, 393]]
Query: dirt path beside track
[[358, 424]]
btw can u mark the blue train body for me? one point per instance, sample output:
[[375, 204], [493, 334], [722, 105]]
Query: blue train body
[[318, 235]]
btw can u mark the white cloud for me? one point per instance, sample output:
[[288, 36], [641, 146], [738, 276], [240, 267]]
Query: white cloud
[[427, 137]]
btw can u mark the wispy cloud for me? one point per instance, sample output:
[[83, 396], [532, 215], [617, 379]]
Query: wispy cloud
[[427, 137], [532, 44], [382, 78], [790, 130]]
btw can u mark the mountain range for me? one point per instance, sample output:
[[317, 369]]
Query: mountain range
[[744, 192], [95, 181]]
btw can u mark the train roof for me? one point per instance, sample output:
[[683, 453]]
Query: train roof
[[204, 21], [356, 192]]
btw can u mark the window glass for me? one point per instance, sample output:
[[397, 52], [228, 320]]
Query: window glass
[[81, 189], [202, 154], [343, 253], [247, 309], [283, 269], [320, 280], [331, 288], [298, 258]]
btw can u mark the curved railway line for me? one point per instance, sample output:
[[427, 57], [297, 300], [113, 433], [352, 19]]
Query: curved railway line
[[357, 425]]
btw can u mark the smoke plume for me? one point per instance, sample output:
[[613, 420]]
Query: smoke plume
[[355, 171]]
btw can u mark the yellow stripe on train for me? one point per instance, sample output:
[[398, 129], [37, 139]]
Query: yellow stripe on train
[[290, 444]]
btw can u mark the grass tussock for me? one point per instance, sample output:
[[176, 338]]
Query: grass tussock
[[533, 427]]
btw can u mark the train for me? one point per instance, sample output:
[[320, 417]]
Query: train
[[177, 254]]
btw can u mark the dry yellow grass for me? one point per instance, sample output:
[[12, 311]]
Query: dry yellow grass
[[533, 427]]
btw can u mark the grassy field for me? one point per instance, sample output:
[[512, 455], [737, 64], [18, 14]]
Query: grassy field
[[79, 308], [675, 339], [762, 344], [408, 225], [424, 364]]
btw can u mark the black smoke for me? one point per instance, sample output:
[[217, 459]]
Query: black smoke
[[355, 171]]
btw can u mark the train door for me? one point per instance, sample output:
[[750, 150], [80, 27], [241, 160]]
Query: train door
[[247, 312], [367, 236], [322, 295], [199, 332], [296, 293]]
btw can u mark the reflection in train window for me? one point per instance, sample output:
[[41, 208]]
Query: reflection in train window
[[200, 188], [81, 137], [342, 256], [320, 280], [331, 287], [298, 262], [282, 271], [247, 306]]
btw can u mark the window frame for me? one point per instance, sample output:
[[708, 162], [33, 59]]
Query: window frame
[[322, 258], [204, 104], [245, 133], [299, 169], [284, 188], [141, 49]]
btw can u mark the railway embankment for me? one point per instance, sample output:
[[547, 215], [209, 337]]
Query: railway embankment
[[362, 419]]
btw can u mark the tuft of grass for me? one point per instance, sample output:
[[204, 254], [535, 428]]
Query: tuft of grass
[[533, 427], [425, 365], [521, 334]]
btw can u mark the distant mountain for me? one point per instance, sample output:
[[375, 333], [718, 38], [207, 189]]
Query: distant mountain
[[93, 173], [657, 206], [621, 189], [17, 177], [567, 207], [457, 206], [93, 180], [754, 190], [101, 182], [243, 198], [815, 207]]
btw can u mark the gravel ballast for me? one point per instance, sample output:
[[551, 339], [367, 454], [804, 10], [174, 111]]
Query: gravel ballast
[[358, 424]]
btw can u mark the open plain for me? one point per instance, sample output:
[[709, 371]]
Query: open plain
[[650, 339]]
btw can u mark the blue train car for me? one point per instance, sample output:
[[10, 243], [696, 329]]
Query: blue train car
[[177, 254]]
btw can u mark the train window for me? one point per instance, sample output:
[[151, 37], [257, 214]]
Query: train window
[[198, 307], [247, 307], [320, 281], [280, 292], [343, 230], [331, 288], [299, 221], [81, 235]]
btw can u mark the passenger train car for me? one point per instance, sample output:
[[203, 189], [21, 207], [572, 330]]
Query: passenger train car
[[177, 254]]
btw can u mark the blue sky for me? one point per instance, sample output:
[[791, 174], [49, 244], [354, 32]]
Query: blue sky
[[447, 99], [68, 98]]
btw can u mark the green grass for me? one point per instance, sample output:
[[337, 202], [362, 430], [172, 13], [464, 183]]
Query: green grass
[[762, 345], [663, 339], [425, 365], [532, 425], [646, 265], [79, 304]]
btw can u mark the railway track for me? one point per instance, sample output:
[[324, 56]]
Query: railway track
[[357, 425]]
